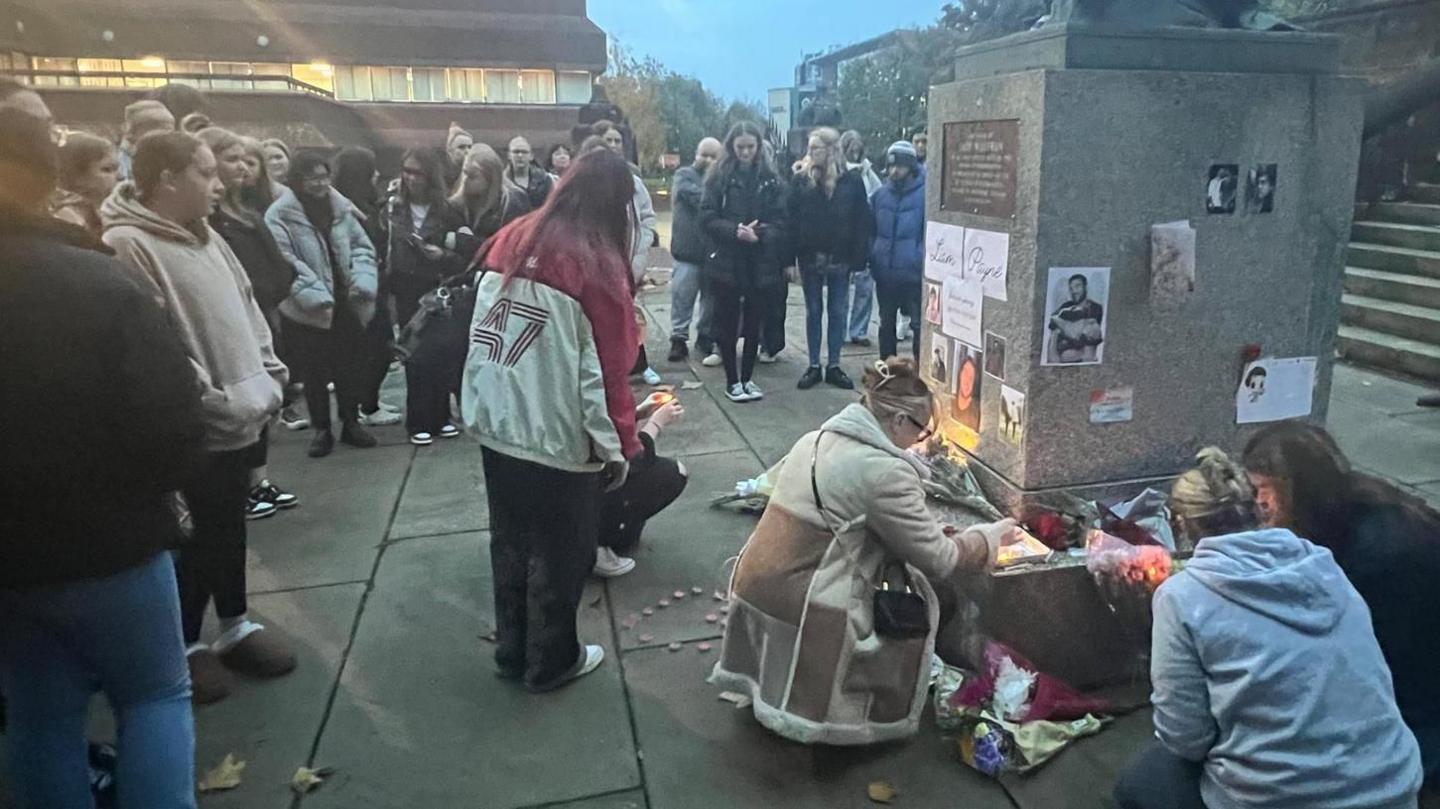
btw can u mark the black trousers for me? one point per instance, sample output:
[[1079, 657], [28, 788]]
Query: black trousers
[[259, 453], [325, 356], [211, 565], [377, 354], [654, 483], [898, 296], [429, 382], [1159, 779], [776, 302], [738, 314], [543, 528]]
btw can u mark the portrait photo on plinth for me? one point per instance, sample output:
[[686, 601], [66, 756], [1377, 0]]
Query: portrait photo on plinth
[[1260, 188], [1221, 188], [966, 370], [1075, 303]]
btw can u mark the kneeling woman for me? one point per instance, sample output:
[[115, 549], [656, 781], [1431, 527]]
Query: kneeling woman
[[1270, 690], [848, 517]]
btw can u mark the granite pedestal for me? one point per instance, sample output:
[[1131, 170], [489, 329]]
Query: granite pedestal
[[1114, 131]]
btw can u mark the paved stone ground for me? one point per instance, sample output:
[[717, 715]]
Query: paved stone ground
[[381, 579]]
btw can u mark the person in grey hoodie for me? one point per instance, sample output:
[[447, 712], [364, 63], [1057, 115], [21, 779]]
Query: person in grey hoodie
[[1270, 689], [156, 225]]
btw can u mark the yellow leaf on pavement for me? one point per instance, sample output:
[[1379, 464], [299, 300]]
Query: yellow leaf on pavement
[[306, 779], [882, 792], [225, 775]]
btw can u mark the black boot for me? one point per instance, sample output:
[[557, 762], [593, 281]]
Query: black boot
[[323, 443], [356, 436], [1429, 400], [678, 350], [838, 378]]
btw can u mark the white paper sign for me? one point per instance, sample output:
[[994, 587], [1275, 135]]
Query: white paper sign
[[1112, 406], [1275, 389], [944, 245], [1172, 265], [964, 301], [987, 255]]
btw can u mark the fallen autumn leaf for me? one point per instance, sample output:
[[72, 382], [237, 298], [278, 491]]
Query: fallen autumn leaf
[[225, 775], [882, 792]]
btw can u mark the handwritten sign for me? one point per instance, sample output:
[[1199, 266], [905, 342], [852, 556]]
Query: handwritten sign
[[987, 257], [964, 302], [978, 173], [944, 245]]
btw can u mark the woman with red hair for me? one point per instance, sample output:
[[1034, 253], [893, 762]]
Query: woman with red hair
[[546, 393]]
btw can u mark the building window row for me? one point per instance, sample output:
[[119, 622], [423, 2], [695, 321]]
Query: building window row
[[346, 82]]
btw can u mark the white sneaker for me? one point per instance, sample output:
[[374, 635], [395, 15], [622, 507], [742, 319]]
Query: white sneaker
[[389, 408], [422, 439], [650, 376], [736, 393], [753, 391], [768, 359], [611, 565], [380, 418], [712, 361], [449, 431], [591, 658]]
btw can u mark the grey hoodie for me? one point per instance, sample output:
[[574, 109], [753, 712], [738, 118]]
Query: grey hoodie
[[202, 285], [1265, 668]]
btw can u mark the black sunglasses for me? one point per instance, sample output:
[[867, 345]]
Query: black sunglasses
[[925, 431]]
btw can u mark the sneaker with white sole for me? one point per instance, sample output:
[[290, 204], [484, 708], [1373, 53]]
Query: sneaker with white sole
[[768, 359], [380, 418], [591, 656], [449, 431], [753, 391], [650, 376], [736, 393], [386, 406], [611, 565], [259, 509], [422, 439], [291, 419], [712, 360]]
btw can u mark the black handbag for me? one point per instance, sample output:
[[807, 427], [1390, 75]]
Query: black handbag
[[441, 323], [899, 614]]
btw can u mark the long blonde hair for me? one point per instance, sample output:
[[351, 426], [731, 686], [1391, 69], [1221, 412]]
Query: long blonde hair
[[834, 168], [483, 159]]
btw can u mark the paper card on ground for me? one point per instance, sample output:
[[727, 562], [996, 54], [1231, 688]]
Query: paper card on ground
[[944, 245], [1112, 406], [987, 255], [964, 299], [1275, 389]]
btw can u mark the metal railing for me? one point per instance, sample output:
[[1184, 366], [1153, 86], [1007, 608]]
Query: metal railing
[[139, 80]]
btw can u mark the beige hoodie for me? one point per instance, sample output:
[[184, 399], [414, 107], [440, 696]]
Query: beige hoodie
[[198, 280]]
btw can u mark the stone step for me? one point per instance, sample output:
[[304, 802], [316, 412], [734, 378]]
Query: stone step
[[1427, 193], [1397, 234], [1416, 290], [1400, 319], [1388, 352], [1394, 259], [1413, 213]]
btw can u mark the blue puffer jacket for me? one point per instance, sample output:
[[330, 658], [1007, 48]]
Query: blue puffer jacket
[[898, 253]]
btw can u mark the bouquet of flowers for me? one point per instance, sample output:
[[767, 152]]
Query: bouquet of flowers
[[1127, 576]]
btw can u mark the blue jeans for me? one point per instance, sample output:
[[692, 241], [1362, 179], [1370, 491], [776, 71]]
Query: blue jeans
[[826, 288], [686, 297], [861, 305], [119, 635]]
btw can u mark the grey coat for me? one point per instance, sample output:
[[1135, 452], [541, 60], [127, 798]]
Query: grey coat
[[312, 295]]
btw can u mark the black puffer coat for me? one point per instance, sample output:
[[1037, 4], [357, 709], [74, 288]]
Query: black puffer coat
[[840, 226], [741, 197]]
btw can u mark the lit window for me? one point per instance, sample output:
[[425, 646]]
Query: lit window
[[389, 84], [467, 84], [502, 86], [176, 66], [572, 87], [315, 74], [427, 83], [353, 83], [537, 87], [55, 63], [100, 66]]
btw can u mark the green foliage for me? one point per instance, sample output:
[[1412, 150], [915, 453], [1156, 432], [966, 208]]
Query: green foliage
[[688, 112], [738, 111]]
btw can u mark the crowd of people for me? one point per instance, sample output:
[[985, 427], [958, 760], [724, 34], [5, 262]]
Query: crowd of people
[[170, 298], [742, 232]]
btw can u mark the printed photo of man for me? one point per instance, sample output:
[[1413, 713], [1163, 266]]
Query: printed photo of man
[[1077, 325]]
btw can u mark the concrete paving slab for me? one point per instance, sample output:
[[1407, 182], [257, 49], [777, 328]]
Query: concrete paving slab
[[1431, 493], [346, 502], [1379, 393], [773, 424], [445, 493], [421, 719], [272, 724], [1403, 450], [630, 799], [686, 546], [701, 752]]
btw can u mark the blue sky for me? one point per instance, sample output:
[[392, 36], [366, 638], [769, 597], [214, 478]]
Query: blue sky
[[741, 48]]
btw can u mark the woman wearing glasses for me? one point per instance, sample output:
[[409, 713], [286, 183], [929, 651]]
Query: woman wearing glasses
[[847, 518]]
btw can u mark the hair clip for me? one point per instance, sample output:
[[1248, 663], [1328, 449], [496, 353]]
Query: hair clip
[[885, 373]]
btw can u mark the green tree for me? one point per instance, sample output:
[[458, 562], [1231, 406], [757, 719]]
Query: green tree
[[883, 96], [689, 113], [633, 85], [740, 110]]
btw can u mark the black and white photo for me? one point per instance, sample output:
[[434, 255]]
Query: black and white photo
[[937, 366], [1012, 414], [1220, 191], [995, 355], [1260, 188], [1075, 324]]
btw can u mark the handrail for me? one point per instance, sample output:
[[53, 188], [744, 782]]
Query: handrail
[[290, 82]]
